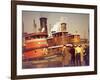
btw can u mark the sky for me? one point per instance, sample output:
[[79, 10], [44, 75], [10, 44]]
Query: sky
[[76, 22]]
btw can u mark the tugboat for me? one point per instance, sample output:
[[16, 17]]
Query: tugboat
[[36, 43]]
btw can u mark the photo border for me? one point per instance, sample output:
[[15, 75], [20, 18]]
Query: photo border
[[14, 39]]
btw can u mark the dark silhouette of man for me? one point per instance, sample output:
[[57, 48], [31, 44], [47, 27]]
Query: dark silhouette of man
[[72, 52]]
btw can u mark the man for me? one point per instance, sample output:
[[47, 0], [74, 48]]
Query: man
[[72, 52], [65, 56], [86, 55], [78, 51]]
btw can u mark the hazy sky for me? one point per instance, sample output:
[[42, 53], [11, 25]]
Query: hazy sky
[[75, 21]]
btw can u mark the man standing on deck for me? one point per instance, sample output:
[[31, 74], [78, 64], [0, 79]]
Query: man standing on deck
[[78, 52], [72, 52], [65, 56]]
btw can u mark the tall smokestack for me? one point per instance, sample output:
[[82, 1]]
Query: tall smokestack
[[63, 27], [43, 24]]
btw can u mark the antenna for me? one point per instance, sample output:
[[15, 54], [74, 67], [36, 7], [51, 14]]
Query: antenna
[[34, 25]]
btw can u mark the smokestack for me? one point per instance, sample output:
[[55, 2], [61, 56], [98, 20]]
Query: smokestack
[[43, 24], [63, 27]]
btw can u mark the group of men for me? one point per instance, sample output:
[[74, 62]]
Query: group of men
[[79, 55]]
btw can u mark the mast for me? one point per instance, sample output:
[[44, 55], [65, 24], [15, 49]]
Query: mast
[[34, 25]]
